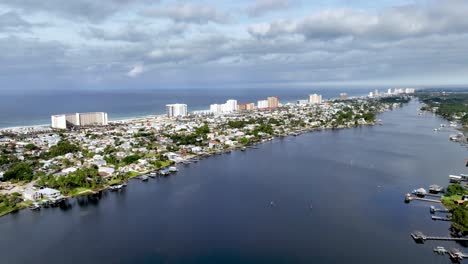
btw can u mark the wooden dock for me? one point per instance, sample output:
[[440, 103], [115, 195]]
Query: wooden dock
[[441, 218], [440, 210], [410, 198], [420, 237]]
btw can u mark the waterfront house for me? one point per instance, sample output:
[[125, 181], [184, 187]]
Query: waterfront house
[[105, 171], [50, 193], [32, 195]]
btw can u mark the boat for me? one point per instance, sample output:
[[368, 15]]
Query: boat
[[116, 187], [455, 178], [164, 172], [243, 148], [440, 250], [435, 188], [455, 254], [144, 177], [35, 207], [152, 174], [421, 192], [172, 169]]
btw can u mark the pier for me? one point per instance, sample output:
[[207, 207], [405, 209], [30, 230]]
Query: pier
[[410, 198], [440, 210], [441, 218], [420, 237]]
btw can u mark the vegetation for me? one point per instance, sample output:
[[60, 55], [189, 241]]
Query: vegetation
[[10, 203], [83, 178], [459, 212], [449, 105], [63, 147], [131, 159], [20, 172]]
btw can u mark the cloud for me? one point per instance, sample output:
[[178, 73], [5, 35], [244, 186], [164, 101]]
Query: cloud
[[90, 10], [11, 21], [126, 34], [135, 71], [442, 17], [189, 13], [261, 7]]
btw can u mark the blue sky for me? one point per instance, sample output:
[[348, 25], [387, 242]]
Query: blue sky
[[126, 44]]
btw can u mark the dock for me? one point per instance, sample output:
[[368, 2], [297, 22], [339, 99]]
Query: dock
[[409, 198], [419, 237], [441, 218], [440, 210]]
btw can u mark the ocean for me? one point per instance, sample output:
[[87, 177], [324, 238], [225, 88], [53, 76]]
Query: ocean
[[36, 107]]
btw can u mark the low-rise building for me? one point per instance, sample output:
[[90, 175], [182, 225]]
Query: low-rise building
[[32, 195], [49, 193]]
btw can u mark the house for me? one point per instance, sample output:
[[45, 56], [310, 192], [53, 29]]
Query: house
[[49, 193], [214, 144], [105, 171], [32, 195], [69, 170]]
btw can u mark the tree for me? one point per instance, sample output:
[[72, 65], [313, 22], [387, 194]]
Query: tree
[[19, 171], [131, 159], [63, 147], [31, 147]]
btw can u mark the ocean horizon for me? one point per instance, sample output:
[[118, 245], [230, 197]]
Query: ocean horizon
[[35, 108]]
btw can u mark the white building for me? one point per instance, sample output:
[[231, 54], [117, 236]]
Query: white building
[[176, 110], [50, 193], [315, 99], [93, 119], [216, 108], [79, 119], [32, 195], [59, 121], [262, 104], [229, 106]]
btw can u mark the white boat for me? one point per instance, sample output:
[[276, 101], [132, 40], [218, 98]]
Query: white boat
[[144, 177], [420, 192], [172, 169], [455, 178]]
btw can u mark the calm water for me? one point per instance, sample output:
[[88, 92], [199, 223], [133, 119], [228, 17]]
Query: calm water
[[33, 108], [338, 195]]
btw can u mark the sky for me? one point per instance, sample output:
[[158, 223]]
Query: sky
[[150, 44]]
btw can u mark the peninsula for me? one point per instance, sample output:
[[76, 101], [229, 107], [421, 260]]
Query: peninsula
[[54, 164]]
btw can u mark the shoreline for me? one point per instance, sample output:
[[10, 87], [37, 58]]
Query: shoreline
[[198, 157]]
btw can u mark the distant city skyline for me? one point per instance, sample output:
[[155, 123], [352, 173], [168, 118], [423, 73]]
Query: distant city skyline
[[115, 44]]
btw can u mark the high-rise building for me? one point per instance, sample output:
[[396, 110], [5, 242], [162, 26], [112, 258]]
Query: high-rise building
[[59, 121], [262, 104], [315, 99], [64, 121], [93, 119], [230, 105], [216, 108], [273, 102], [176, 110], [246, 107], [343, 96]]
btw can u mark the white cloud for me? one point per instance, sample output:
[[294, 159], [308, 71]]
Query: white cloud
[[189, 13], [261, 7], [136, 70], [441, 17]]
